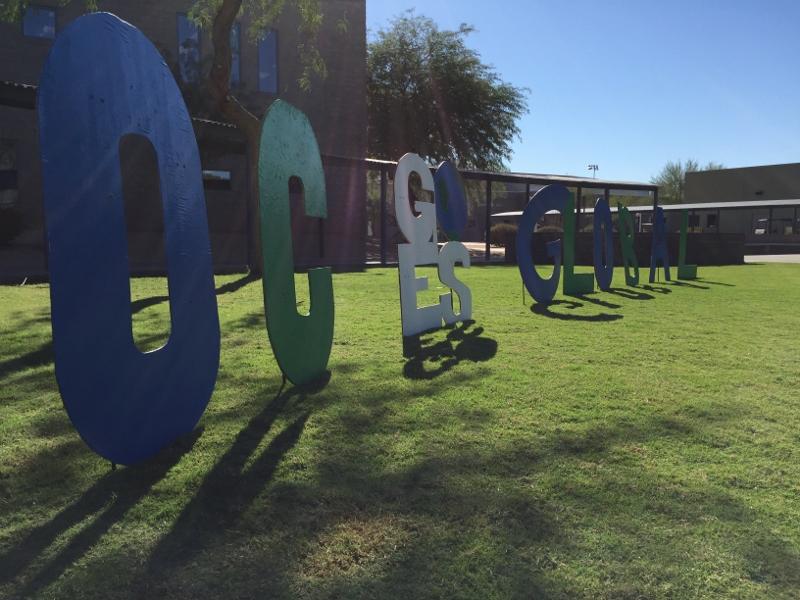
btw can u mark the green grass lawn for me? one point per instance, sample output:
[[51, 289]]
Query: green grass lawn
[[634, 444]]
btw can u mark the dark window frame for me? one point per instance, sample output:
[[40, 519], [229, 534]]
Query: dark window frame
[[178, 47], [214, 182], [237, 26], [274, 32], [9, 178], [50, 9]]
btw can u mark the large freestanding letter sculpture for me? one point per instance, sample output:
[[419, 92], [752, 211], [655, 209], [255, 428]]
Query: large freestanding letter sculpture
[[422, 249], [451, 206], [659, 250], [104, 80], [301, 343], [551, 197], [626, 242], [685, 271], [603, 244], [575, 284]]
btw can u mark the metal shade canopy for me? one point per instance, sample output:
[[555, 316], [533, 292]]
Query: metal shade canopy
[[695, 206]]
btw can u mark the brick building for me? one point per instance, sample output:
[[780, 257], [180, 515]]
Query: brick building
[[263, 69]]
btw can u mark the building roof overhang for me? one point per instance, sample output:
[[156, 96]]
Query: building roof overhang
[[749, 204]]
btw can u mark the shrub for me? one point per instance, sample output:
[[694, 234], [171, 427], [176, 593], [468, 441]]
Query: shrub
[[503, 234], [550, 229]]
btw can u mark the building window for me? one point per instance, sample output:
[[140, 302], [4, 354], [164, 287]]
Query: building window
[[40, 22], [694, 220], [236, 53], [188, 49], [11, 220], [268, 63], [8, 174], [216, 180], [711, 221]]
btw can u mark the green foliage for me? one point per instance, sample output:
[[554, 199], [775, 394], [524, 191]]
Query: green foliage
[[550, 229], [672, 178], [653, 456], [429, 93], [263, 15], [12, 10], [503, 234]]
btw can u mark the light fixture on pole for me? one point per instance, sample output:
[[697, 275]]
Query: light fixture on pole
[[593, 169]]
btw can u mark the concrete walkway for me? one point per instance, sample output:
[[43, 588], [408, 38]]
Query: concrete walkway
[[772, 258]]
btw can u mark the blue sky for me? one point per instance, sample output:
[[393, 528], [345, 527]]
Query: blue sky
[[631, 84]]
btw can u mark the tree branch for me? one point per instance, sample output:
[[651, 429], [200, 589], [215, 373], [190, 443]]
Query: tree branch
[[219, 78]]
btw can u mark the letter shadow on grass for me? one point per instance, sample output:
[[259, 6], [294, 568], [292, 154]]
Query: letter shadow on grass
[[44, 354], [233, 483], [545, 311], [684, 283], [657, 289], [220, 500], [702, 280], [110, 498], [429, 358], [630, 294], [597, 301], [237, 284]]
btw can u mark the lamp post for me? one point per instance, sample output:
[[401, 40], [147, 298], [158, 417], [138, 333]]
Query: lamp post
[[593, 169]]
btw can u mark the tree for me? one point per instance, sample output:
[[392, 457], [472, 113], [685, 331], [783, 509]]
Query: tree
[[220, 15], [429, 93], [713, 166], [672, 178]]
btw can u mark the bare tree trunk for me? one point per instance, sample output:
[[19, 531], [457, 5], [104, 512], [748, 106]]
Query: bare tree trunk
[[237, 113]]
